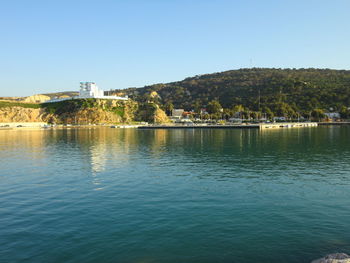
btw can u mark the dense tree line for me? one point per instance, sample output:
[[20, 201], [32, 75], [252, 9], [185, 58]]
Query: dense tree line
[[273, 92]]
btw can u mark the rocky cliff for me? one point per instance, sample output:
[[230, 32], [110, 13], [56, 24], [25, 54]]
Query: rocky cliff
[[37, 98], [151, 112], [21, 114], [85, 116], [160, 116], [83, 111]]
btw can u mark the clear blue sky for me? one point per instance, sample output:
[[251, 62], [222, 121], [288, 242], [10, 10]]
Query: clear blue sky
[[49, 46]]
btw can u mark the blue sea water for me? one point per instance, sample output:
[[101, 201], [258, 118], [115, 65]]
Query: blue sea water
[[128, 195]]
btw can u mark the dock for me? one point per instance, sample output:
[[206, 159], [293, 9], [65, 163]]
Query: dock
[[261, 126], [287, 125], [334, 123], [249, 126]]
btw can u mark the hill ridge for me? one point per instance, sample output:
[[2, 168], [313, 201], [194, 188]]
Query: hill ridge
[[284, 92]]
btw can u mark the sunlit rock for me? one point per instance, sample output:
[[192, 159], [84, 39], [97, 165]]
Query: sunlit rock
[[334, 258]]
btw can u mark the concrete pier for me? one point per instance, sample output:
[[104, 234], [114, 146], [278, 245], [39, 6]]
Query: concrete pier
[[334, 123], [249, 126], [287, 125], [261, 126]]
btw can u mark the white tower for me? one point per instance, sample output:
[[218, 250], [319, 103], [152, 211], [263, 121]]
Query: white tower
[[90, 90]]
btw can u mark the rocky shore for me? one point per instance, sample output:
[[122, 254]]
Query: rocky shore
[[334, 258], [81, 112]]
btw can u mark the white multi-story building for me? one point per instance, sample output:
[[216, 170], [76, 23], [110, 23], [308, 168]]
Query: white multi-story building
[[90, 90]]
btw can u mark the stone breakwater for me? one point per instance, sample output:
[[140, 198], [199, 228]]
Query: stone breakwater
[[334, 258]]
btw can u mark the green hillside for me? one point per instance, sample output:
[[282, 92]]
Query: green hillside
[[279, 92]]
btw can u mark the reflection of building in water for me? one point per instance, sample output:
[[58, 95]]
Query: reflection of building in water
[[104, 151], [94, 142], [90, 152], [107, 148], [98, 154], [98, 157]]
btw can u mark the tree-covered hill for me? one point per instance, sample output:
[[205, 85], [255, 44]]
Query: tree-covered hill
[[282, 92]]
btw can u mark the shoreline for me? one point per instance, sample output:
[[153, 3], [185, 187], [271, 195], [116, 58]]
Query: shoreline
[[261, 126], [43, 125]]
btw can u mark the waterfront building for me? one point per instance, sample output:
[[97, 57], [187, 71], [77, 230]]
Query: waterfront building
[[279, 119], [177, 113], [89, 90], [332, 115]]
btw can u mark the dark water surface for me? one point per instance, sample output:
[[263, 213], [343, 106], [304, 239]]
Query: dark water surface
[[125, 195]]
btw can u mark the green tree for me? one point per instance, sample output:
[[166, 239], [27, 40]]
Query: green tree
[[317, 114], [214, 107], [268, 112], [255, 115], [227, 113], [344, 113], [197, 105], [168, 108], [283, 109], [237, 108]]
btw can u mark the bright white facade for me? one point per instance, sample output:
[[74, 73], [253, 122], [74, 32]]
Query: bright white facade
[[90, 90], [177, 113], [332, 115]]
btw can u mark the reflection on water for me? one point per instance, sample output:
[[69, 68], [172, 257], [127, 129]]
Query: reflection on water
[[126, 195], [237, 152], [99, 150]]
